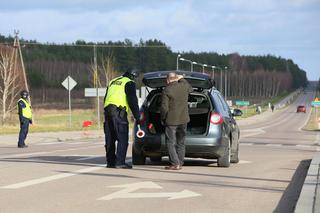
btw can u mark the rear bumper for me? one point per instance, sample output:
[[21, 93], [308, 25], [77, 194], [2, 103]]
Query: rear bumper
[[198, 147]]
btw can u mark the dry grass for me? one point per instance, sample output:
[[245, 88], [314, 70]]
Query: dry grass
[[52, 120], [314, 121]]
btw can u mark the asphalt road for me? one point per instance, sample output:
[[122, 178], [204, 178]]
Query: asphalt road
[[70, 176]]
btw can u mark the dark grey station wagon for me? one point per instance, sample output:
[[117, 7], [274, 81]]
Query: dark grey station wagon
[[211, 133]]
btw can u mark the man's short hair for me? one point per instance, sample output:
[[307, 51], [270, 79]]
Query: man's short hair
[[172, 76]]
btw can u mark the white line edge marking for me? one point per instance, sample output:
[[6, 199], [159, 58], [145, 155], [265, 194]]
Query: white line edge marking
[[277, 145]]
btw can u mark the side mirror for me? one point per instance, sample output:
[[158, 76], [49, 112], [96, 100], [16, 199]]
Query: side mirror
[[236, 112]]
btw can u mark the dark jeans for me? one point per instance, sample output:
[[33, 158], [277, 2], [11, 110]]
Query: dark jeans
[[116, 128], [175, 139], [24, 128]]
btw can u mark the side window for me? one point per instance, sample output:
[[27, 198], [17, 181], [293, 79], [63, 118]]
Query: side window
[[224, 107], [217, 103]]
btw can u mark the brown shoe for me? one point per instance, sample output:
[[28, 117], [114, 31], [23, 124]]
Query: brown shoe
[[173, 167]]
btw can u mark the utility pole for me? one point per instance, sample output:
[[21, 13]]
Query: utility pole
[[96, 82], [225, 82], [17, 44]]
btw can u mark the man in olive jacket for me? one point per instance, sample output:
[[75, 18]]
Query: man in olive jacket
[[175, 116]]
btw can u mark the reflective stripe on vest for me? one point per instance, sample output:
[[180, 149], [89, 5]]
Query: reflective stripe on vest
[[116, 93], [26, 112]]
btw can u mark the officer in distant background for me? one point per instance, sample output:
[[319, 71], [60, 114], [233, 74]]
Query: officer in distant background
[[25, 117], [120, 96]]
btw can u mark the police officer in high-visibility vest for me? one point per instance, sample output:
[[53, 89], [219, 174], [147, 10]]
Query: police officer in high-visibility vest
[[120, 96], [25, 117]]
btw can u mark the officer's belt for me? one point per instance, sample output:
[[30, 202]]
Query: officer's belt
[[112, 109]]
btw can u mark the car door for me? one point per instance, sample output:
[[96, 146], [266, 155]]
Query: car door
[[234, 130], [222, 110]]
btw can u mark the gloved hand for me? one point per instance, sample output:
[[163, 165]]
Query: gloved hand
[[30, 121]]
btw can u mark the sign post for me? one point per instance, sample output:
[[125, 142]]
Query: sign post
[[69, 84]]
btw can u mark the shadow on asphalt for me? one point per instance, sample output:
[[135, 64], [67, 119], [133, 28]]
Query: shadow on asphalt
[[290, 196]]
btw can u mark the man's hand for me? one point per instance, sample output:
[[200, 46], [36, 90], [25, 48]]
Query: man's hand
[[179, 77]]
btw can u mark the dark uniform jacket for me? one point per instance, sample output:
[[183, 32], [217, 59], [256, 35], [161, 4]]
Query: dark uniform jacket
[[174, 103]]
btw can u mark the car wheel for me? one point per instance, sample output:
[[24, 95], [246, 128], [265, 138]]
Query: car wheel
[[137, 157], [235, 155], [156, 159], [224, 161]]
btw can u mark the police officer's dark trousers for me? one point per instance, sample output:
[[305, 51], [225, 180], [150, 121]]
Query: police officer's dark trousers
[[24, 128], [116, 128]]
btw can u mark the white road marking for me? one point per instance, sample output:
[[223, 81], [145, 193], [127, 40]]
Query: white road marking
[[48, 143], [274, 144], [130, 188], [304, 146], [251, 132], [246, 144], [244, 162], [305, 123], [52, 178]]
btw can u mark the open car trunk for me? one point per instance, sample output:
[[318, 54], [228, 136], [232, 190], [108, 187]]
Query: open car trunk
[[199, 108]]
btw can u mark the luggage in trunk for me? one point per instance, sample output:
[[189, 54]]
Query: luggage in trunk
[[199, 108]]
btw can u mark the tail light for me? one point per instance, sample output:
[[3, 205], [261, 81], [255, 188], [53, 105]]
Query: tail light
[[216, 118]]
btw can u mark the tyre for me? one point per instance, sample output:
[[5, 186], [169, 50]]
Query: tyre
[[235, 155], [137, 157], [224, 161], [156, 159]]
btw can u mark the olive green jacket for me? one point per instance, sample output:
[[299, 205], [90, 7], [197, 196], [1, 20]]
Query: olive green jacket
[[174, 103]]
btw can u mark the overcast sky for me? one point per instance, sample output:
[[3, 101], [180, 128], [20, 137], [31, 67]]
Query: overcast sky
[[286, 28]]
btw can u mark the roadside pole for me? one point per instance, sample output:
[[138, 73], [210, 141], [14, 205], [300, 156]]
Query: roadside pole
[[96, 84], [69, 103], [69, 84]]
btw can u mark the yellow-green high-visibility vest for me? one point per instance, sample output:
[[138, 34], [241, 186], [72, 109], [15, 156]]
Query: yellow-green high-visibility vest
[[26, 112], [116, 93]]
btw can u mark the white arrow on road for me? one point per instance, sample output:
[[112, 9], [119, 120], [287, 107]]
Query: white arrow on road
[[129, 188]]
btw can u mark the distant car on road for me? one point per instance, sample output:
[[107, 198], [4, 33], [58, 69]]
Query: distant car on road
[[211, 133], [301, 108]]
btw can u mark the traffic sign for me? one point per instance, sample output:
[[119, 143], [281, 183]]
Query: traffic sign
[[92, 92], [69, 83], [315, 103], [242, 103]]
